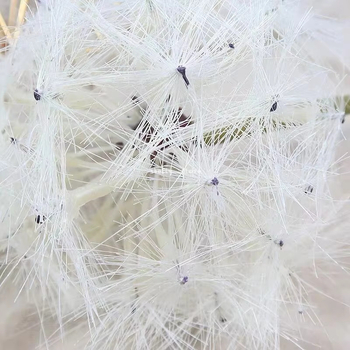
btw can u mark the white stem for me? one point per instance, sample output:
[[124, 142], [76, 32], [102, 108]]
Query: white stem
[[90, 192]]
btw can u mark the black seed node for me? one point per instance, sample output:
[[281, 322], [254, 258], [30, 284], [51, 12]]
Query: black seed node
[[223, 319], [281, 243], [37, 95], [182, 71], [231, 46], [343, 119], [13, 140], [135, 99], [40, 219], [184, 280], [214, 181], [274, 107], [309, 190]]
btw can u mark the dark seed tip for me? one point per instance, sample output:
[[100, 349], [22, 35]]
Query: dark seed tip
[[181, 69], [309, 190], [135, 99], [39, 220], [214, 181], [184, 280], [274, 107], [37, 95]]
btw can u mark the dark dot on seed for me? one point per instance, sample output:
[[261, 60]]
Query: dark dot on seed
[[214, 181], [184, 280], [274, 107], [309, 190], [37, 95]]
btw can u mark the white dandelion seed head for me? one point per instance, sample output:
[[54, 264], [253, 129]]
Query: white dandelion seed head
[[170, 171]]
